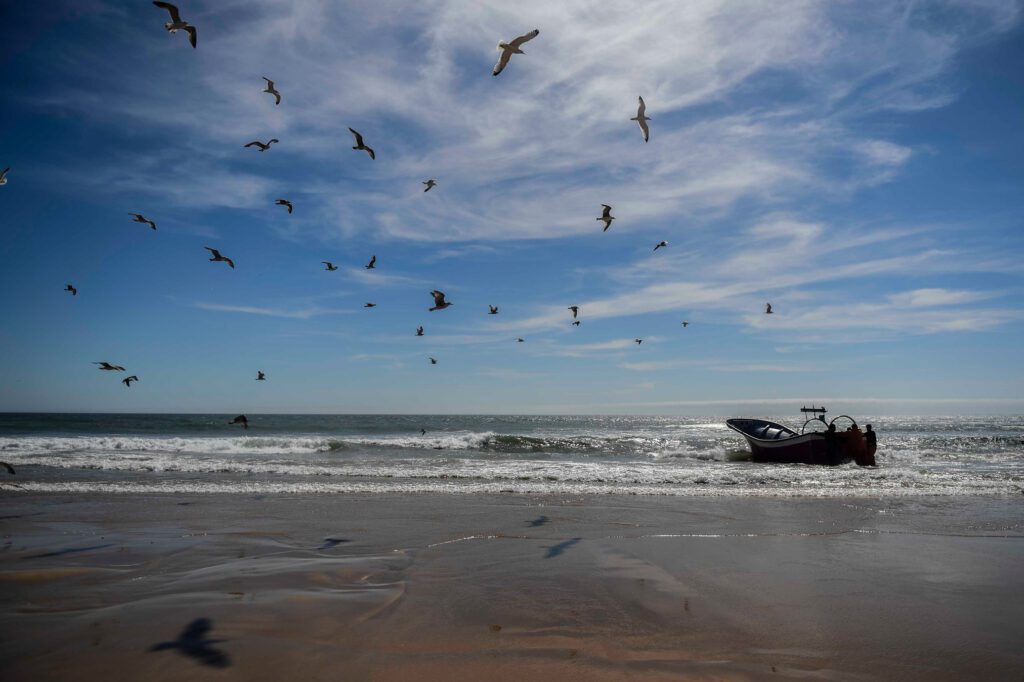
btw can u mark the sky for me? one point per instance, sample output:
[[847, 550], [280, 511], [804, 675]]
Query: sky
[[859, 165]]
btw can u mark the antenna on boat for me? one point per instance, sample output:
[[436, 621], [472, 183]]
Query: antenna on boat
[[818, 412]]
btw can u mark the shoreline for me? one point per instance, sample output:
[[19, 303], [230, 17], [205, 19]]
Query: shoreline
[[441, 586]]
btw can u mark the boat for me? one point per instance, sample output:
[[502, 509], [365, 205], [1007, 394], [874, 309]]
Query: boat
[[772, 442]]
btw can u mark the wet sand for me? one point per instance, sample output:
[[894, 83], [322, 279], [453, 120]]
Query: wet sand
[[463, 587]]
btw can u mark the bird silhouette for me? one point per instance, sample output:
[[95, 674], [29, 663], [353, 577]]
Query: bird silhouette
[[439, 302], [433, 361], [685, 323], [493, 310], [3, 175], [9, 468], [370, 305], [576, 323], [285, 203], [520, 340], [139, 218], [606, 217], [328, 265], [642, 119], [240, 419], [260, 376], [175, 23], [127, 381], [362, 145], [768, 309], [71, 290], [512, 47], [270, 88], [638, 341], [106, 366], [192, 642], [431, 184], [217, 257], [263, 147], [372, 264], [419, 331], [661, 244], [575, 310]]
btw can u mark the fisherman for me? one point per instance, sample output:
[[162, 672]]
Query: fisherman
[[831, 446], [872, 444]]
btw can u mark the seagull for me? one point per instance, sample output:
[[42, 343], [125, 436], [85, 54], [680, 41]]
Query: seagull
[[642, 120], [575, 309], [607, 217], [328, 265], [661, 244], [576, 323], [430, 184], [73, 291], [285, 203], [3, 175], [494, 309], [192, 642], [240, 419], [520, 339], [433, 361], [768, 309], [372, 264], [509, 49], [423, 432], [685, 323], [109, 367], [127, 381], [272, 91], [419, 331], [139, 218], [362, 145], [439, 302], [260, 376], [263, 147], [175, 23], [370, 305], [638, 341], [218, 257], [9, 468]]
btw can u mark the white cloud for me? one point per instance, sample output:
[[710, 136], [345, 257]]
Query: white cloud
[[299, 313]]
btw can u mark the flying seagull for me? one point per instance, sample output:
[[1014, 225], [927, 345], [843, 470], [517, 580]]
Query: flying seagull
[[642, 120], [768, 309], [430, 184], [70, 289], [372, 264], [439, 302], [240, 419], [362, 145], [175, 23], [433, 361], [419, 331], [193, 642], [576, 323], [638, 341], [370, 305], [3, 175], [263, 147], [272, 91], [328, 265], [218, 257], [606, 217], [661, 244], [139, 218], [260, 376], [127, 381], [520, 339], [575, 309], [285, 203], [109, 367], [685, 323], [511, 48], [494, 309], [9, 468]]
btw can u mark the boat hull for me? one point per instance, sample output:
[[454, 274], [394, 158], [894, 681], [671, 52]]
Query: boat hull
[[783, 445]]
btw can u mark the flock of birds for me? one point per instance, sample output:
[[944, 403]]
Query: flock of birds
[[507, 49]]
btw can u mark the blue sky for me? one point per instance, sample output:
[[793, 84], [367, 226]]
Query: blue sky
[[858, 164]]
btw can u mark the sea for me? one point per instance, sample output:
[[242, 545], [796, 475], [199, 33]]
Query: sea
[[563, 455]]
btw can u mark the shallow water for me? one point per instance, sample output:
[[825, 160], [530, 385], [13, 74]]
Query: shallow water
[[485, 454]]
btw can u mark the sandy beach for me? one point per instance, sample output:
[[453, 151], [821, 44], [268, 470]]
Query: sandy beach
[[453, 587]]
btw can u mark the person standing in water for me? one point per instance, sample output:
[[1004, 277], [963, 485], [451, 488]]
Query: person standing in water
[[872, 444]]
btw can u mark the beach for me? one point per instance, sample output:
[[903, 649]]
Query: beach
[[448, 587]]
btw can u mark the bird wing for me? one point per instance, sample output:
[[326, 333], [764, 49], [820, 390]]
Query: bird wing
[[369, 150], [272, 141], [3, 173], [230, 262], [438, 297], [191, 30], [642, 109], [277, 98], [506, 54], [517, 43], [270, 84], [645, 129], [255, 143], [215, 252], [9, 468], [175, 17], [359, 138]]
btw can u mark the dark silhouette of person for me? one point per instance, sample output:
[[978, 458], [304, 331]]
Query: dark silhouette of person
[[831, 444], [872, 443]]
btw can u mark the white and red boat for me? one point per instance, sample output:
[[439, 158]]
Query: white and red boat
[[772, 442]]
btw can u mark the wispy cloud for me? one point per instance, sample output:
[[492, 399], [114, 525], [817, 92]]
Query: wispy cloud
[[297, 313]]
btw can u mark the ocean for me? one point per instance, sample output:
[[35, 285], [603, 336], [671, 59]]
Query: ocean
[[366, 454]]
